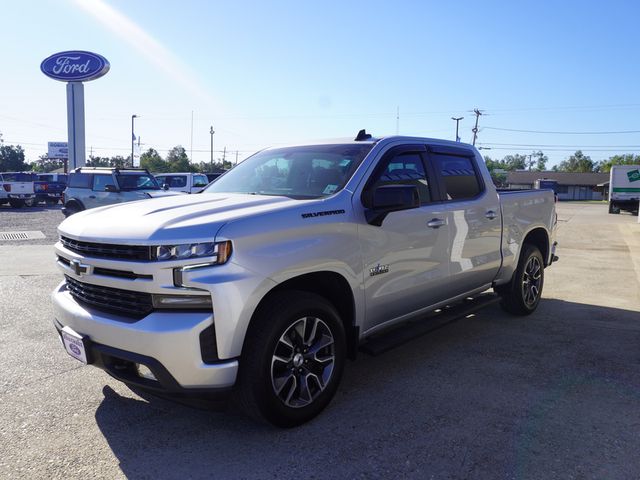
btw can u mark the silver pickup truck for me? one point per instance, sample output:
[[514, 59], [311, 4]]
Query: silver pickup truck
[[262, 285]]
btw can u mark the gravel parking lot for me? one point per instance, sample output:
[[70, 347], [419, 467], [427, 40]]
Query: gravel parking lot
[[553, 395]]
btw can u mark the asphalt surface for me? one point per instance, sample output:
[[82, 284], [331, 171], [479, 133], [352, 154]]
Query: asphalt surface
[[553, 395], [40, 218]]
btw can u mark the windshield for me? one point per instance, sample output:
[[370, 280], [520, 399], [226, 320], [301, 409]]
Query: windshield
[[296, 172], [137, 181]]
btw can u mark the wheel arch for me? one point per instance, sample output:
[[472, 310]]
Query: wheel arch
[[539, 238], [330, 285]]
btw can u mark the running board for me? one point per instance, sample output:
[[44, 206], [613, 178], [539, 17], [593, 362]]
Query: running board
[[405, 332]]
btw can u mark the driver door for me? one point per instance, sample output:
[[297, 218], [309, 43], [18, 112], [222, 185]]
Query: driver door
[[406, 259]]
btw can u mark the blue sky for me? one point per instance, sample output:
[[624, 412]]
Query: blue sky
[[268, 73]]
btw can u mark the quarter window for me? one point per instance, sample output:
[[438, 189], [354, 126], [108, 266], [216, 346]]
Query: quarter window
[[458, 176]]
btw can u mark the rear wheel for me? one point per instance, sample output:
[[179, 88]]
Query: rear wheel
[[30, 202], [522, 294], [16, 202], [51, 201], [293, 359], [613, 208]]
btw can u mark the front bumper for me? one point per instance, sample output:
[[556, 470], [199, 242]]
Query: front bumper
[[168, 343]]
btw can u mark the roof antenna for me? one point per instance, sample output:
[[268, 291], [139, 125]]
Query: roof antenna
[[362, 135]]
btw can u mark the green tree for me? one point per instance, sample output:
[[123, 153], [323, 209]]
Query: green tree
[[98, 161], [12, 159], [152, 161], [541, 161], [514, 162], [178, 160], [45, 164], [624, 159], [578, 162]]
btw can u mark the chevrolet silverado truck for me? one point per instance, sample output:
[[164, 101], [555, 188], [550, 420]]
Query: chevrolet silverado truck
[[261, 286]]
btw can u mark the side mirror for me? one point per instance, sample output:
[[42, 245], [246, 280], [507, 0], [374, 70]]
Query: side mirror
[[165, 186], [110, 188], [391, 198]]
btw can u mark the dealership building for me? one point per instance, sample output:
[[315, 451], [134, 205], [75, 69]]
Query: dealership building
[[571, 186]]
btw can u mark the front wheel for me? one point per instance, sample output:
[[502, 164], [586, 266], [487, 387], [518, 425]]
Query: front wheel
[[292, 359], [522, 294]]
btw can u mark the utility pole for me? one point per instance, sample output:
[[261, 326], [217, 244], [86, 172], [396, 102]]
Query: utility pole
[[457, 120], [530, 162], [191, 149], [133, 138], [211, 131], [236, 157], [224, 155], [475, 129]]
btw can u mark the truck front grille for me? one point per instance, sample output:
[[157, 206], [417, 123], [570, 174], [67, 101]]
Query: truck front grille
[[112, 300], [107, 250]]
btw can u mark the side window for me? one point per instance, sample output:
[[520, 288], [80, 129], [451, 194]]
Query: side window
[[405, 169], [101, 181], [80, 180], [176, 181], [458, 175]]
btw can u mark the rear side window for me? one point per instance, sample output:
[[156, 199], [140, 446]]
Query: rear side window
[[174, 181], [101, 181], [80, 180], [45, 178], [458, 176]]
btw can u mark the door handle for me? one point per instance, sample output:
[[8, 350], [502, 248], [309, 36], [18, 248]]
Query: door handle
[[92, 196], [435, 223], [491, 214]]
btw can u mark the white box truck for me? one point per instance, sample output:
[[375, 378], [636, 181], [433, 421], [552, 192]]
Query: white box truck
[[624, 188]]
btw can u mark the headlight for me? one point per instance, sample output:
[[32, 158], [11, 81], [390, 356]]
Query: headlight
[[220, 250]]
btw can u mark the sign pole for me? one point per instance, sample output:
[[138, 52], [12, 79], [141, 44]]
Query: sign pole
[[75, 124]]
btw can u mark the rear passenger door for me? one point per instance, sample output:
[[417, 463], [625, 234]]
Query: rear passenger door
[[473, 215]]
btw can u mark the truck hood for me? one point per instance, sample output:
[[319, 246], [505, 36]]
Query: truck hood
[[171, 219], [162, 193]]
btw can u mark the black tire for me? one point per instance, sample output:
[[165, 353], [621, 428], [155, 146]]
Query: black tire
[[71, 208], [16, 202], [51, 202], [278, 362], [31, 202], [522, 294], [613, 208]]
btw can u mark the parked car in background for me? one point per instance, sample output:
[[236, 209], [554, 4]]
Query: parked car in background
[[91, 187], [183, 182], [19, 188], [49, 187]]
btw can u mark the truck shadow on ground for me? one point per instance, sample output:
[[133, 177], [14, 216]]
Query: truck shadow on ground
[[490, 396]]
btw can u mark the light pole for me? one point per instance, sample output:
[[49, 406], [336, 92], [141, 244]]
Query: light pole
[[457, 120], [211, 131], [133, 137]]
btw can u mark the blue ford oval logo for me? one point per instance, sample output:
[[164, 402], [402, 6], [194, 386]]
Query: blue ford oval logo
[[74, 349], [75, 66]]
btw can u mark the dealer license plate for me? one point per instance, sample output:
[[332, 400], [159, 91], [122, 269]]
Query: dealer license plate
[[74, 344]]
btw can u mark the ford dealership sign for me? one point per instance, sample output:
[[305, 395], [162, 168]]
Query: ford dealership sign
[[75, 66]]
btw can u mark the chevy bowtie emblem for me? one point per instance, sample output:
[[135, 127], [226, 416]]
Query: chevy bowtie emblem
[[79, 268]]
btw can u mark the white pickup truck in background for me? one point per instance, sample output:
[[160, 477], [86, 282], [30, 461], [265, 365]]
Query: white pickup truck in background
[[17, 188], [183, 182], [263, 285]]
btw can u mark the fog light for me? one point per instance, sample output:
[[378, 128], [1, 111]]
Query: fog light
[[144, 372], [182, 301]]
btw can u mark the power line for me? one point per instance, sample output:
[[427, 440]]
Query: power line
[[561, 133], [538, 145]]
